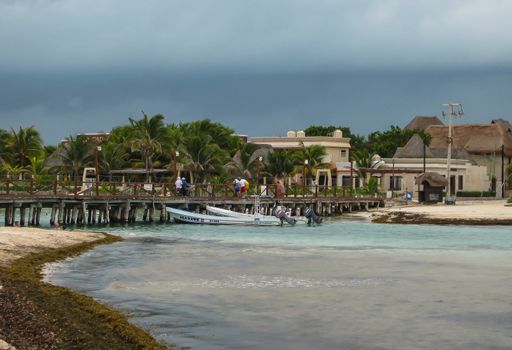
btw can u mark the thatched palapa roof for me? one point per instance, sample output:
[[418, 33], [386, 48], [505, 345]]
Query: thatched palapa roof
[[433, 179], [414, 149], [422, 122], [473, 138]]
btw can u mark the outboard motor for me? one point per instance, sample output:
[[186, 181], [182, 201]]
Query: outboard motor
[[311, 216], [281, 214]]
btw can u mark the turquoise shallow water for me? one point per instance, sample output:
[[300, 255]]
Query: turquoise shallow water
[[342, 285]]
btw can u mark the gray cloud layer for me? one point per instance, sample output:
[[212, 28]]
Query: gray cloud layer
[[261, 67], [265, 34]]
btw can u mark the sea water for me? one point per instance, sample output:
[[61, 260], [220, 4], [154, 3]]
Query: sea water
[[341, 285]]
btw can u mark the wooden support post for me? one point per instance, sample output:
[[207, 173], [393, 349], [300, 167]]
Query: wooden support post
[[145, 215], [22, 216], [126, 211], [107, 213], [150, 214], [38, 215], [74, 213], [162, 213], [52, 215], [61, 213]]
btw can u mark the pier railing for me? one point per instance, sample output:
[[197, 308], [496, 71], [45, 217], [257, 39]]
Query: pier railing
[[55, 186]]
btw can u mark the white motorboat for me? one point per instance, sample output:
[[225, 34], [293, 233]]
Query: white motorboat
[[286, 218], [197, 218]]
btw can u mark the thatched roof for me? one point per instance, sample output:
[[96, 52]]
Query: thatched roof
[[414, 149], [473, 138], [422, 122], [433, 179]]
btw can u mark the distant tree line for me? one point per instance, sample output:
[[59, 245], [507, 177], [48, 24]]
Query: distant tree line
[[205, 150]]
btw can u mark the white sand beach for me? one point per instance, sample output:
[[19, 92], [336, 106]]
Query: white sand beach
[[489, 209], [16, 242], [484, 211]]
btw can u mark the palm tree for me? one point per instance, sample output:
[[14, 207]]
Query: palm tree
[[364, 160], [203, 157], [314, 155], [77, 153], [36, 167], [147, 137], [244, 161], [24, 144], [175, 144], [4, 145], [112, 157], [282, 164]]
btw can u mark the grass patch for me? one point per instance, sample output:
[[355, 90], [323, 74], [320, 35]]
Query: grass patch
[[76, 321]]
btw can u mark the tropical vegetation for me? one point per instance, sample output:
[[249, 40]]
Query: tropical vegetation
[[203, 151]]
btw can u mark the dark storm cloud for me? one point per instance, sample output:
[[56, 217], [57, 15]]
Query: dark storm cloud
[[265, 34], [261, 67], [257, 105]]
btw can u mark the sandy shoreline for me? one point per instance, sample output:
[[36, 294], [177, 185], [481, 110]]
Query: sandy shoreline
[[488, 212], [17, 242]]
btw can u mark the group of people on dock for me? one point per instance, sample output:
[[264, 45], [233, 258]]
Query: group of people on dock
[[240, 186], [182, 186]]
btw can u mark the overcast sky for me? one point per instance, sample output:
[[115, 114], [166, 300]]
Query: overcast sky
[[261, 67]]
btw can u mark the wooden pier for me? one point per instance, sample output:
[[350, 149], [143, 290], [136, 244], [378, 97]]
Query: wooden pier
[[137, 202]]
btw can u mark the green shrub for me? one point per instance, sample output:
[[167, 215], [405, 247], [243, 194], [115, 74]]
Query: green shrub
[[476, 194]]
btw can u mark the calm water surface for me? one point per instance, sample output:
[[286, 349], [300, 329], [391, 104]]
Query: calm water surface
[[343, 285]]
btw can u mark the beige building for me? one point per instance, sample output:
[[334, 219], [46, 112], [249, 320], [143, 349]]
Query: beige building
[[336, 146], [399, 174]]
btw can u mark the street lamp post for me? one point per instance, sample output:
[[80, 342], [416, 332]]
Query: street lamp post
[[260, 158], [304, 182], [175, 156], [306, 162], [96, 169]]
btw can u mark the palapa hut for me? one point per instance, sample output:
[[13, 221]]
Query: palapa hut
[[422, 122], [431, 187], [488, 145]]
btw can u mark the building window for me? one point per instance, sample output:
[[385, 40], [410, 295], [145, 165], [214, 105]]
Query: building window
[[461, 183], [395, 183], [343, 153]]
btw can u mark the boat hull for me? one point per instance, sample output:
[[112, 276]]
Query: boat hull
[[230, 213], [202, 219]]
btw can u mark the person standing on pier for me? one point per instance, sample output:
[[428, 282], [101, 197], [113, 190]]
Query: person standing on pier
[[237, 186], [177, 185]]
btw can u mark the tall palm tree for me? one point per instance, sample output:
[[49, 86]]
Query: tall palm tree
[[4, 145], [282, 164], [76, 154], [112, 157], [364, 160], [203, 157], [244, 161], [219, 134], [175, 145], [25, 143], [147, 137], [314, 155], [36, 167]]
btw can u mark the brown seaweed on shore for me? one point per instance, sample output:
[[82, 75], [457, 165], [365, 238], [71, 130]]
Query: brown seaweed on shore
[[399, 217], [37, 315]]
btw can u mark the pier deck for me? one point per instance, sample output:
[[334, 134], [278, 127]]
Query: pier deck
[[22, 201]]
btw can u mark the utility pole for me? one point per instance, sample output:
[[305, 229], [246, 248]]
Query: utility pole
[[502, 171], [454, 110]]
